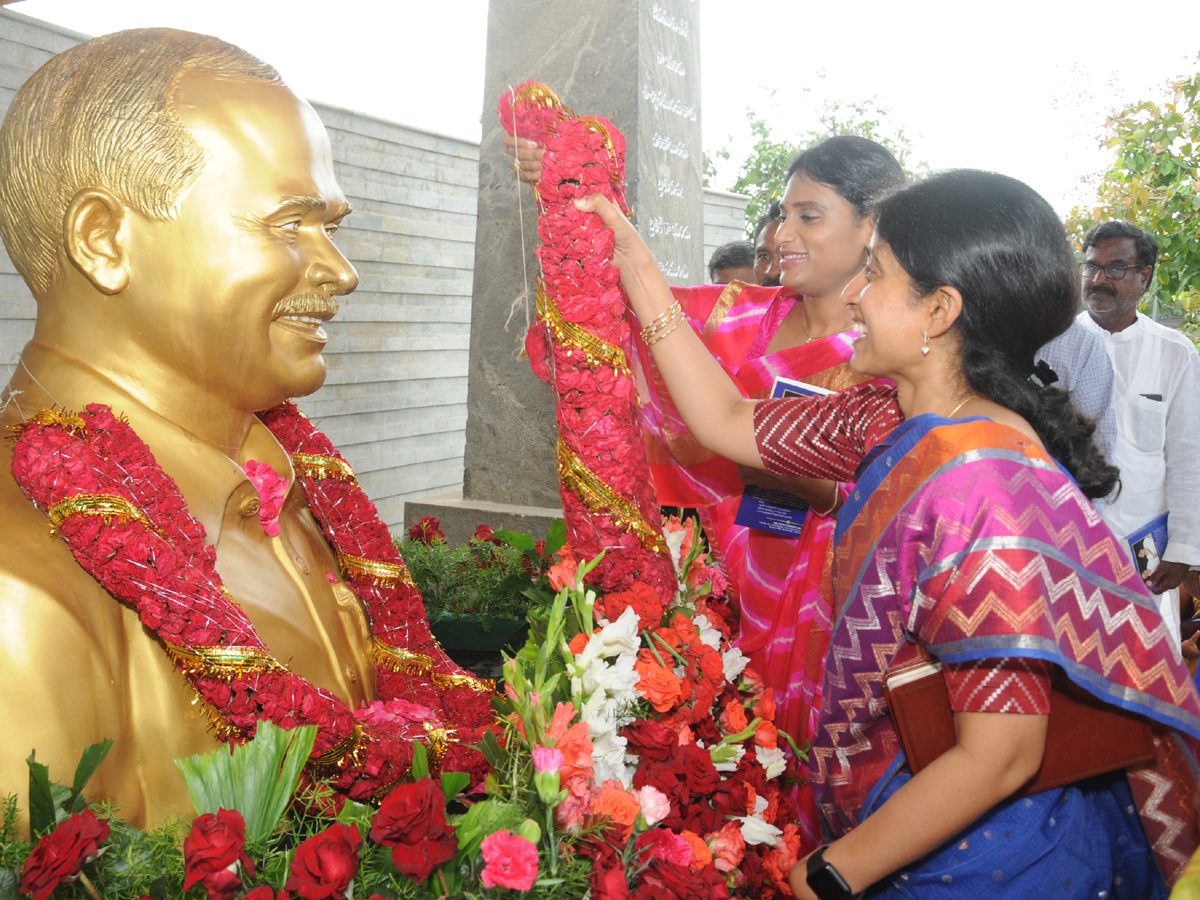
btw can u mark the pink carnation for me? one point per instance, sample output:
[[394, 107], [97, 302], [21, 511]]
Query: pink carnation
[[272, 489], [510, 861], [655, 805], [547, 759]]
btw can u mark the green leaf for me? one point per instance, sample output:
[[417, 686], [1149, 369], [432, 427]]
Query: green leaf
[[454, 783], [8, 884], [523, 542], [257, 779], [420, 763], [484, 818], [492, 751], [556, 536], [41, 801], [89, 762]]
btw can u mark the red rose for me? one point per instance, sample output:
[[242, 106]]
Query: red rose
[[324, 865], [412, 821], [662, 880], [212, 848], [62, 853], [428, 530], [262, 892]]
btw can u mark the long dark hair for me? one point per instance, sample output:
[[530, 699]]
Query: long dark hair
[[858, 169], [1002, 246]]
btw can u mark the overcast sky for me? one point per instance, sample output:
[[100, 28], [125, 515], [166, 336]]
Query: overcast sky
[[1020, 87]]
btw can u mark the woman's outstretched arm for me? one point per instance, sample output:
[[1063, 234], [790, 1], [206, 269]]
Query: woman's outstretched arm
[[711, 405]]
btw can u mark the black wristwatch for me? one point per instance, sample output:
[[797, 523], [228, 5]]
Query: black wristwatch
[[826, 881]]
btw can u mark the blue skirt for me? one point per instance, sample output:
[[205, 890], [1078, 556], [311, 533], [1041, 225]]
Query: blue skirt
[[1082, 841]]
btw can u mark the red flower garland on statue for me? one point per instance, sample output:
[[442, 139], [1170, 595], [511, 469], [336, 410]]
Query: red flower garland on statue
[[128, 526], [580, 345]]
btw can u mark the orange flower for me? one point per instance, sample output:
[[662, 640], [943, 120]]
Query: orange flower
[[733, 718], [766, 735], [658, 684], [578, 642], [573, 742], [765, 707], [562, 574], [728, 847], [779, 860], [685, 629], [616, 803], [701, 855]]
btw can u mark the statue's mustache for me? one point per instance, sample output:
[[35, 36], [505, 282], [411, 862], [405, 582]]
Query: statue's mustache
[[310, 303]]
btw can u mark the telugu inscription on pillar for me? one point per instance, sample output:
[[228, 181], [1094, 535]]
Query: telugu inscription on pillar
[[669, 202]]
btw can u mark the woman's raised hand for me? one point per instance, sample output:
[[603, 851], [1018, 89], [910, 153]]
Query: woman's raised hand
[[524, 158], [630, 253]]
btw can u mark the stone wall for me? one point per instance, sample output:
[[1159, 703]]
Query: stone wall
[[395, 401], [724, 221]]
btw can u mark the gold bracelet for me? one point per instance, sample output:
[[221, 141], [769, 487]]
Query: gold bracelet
[[659, 335], [837, 498], [662, 320]]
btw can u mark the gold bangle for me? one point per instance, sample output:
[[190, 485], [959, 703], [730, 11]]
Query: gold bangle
[[659, 335], [837, 500], [662, 320]]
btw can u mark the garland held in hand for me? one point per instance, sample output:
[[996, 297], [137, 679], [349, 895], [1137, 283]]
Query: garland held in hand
[[579, 346], [128, 526]]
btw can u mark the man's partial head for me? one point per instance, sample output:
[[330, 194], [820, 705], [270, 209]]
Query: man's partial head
[[1119, 260], [732, 261], [766, 249], [215, 244], [102, 114]]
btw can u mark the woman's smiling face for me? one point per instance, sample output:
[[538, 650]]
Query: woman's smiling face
[[822, 241], [891, 318]]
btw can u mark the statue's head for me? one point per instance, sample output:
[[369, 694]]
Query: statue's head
[[168, 190]]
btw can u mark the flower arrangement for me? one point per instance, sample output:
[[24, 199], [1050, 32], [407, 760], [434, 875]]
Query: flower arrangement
[[638, 758]]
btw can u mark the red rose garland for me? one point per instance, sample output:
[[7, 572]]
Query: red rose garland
[[579, 345], [127, 525]]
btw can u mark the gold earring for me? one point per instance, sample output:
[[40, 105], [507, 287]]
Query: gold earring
[[925, 346]]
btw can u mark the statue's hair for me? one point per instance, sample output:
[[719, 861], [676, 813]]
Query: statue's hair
[[102, 115]]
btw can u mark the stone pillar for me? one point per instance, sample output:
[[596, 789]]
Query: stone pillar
[[636, 63]]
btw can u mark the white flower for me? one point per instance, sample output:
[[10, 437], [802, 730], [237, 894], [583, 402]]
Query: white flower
[[675, 545], [733, 661], [771, 760], [760, 804], [708, 634], [608, 753], [725, 757], [756, 831], [620, 636]]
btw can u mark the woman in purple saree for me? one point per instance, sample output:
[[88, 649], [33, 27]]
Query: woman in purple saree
[[969, 534]]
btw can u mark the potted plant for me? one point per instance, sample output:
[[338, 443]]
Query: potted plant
[[477, 595]]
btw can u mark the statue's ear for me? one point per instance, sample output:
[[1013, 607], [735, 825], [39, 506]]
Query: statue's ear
[[96, 239]]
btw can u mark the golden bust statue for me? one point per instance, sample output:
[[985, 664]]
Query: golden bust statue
[[172, 207]]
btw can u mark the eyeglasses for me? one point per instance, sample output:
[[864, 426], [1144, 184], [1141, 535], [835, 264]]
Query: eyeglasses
[[1113, 273]]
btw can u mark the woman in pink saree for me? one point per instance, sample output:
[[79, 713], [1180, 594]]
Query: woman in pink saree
[[797, 333]]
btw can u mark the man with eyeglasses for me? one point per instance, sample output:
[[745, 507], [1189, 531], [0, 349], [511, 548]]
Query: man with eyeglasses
[[1157, 399]]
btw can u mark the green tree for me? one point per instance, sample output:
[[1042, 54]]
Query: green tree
[[1154, 182], [761, 173]]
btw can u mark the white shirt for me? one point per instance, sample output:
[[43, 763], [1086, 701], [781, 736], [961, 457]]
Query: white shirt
[[1156, 394]]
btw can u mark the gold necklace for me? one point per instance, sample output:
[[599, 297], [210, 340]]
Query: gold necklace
[[967, 400], [809, 338]]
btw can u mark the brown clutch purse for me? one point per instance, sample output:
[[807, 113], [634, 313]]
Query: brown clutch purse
[[1084, 736]]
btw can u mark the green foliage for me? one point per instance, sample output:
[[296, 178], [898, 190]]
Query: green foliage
[[51, 803], [257, 779], [481, 577], [761, 173], [1154, 182]]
